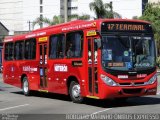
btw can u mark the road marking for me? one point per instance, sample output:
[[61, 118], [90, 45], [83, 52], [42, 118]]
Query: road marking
[[101, 111], [14, 107], [86, 116]]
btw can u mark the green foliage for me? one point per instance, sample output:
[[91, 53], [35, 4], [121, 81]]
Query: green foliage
[[158, 61], [152, 14], [79, 17], [84, 17], [55, 20], [101, 9]]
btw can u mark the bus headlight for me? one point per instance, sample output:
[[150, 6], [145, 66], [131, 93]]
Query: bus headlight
[[152, 80], [108, 80]]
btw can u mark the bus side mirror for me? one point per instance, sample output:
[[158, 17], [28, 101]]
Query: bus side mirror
[[98, 41]]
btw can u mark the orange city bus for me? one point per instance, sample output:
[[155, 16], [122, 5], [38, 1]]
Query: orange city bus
[[100, 59]]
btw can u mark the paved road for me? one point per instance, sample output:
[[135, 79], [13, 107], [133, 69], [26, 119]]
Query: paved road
[[12, 101]]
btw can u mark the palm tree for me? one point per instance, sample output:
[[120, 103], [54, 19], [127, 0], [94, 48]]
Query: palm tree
[[55, 20], [79, 17], [99, 8], [103, 10], [84, 17]]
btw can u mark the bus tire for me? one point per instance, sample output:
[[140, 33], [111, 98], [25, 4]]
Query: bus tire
[[75, 92], [25, 87]]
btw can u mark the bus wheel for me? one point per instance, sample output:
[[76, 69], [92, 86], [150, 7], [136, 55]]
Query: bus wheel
[[75, 92], [25, 87]]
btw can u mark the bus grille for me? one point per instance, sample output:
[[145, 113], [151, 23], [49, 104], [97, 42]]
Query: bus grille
[[130, 84], [132, 91]]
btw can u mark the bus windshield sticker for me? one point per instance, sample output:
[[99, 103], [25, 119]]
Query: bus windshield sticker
[[115, 64], [126, 53], [60, 68], [128, 64]]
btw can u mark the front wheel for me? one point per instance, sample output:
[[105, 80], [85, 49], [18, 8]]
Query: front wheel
[[75, 92], [25, 87]]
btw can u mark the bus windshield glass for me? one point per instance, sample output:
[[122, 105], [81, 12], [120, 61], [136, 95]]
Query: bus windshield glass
[[128, 52]]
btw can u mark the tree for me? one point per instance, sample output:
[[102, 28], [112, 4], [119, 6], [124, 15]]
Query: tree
[[103, 10], [84, 17], [79, 17], [152, 14], [55, 20]]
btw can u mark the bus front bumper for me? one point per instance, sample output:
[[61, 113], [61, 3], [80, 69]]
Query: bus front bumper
[[130, 91]]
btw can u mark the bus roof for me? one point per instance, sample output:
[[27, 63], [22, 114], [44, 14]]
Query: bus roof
[[66, 27]]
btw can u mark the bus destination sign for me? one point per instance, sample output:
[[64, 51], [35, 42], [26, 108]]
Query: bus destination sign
[[126, 27]]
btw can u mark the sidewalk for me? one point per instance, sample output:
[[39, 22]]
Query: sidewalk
[[0, 77]]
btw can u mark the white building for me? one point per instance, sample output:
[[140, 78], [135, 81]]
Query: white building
[[17, 14]]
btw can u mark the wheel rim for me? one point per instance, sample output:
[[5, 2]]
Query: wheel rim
[[25, 86], [76, 91]]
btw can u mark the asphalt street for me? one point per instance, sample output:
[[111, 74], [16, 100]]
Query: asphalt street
[[12, 101]]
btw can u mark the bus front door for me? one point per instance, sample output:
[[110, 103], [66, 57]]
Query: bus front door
[[43, 65], [92, 67]]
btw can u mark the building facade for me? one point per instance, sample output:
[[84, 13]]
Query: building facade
[[3, 32], [18, 15]]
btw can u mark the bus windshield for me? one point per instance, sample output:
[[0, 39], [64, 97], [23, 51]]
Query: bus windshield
[[128, 52]]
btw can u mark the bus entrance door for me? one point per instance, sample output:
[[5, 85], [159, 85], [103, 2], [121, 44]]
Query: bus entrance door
[[43, 65], [92, 67]]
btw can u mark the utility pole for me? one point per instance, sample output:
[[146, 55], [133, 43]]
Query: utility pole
[[65, 10], [29, 23]]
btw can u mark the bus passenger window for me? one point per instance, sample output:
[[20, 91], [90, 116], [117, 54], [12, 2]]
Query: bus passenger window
[[57, 45], [74, 44], [18, 50], [30, 49], [9, 51]]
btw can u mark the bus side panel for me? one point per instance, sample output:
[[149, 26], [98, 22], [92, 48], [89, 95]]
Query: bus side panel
[[31, 71], [7, 73], [17, 71], [59, 72], [13, 73]]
